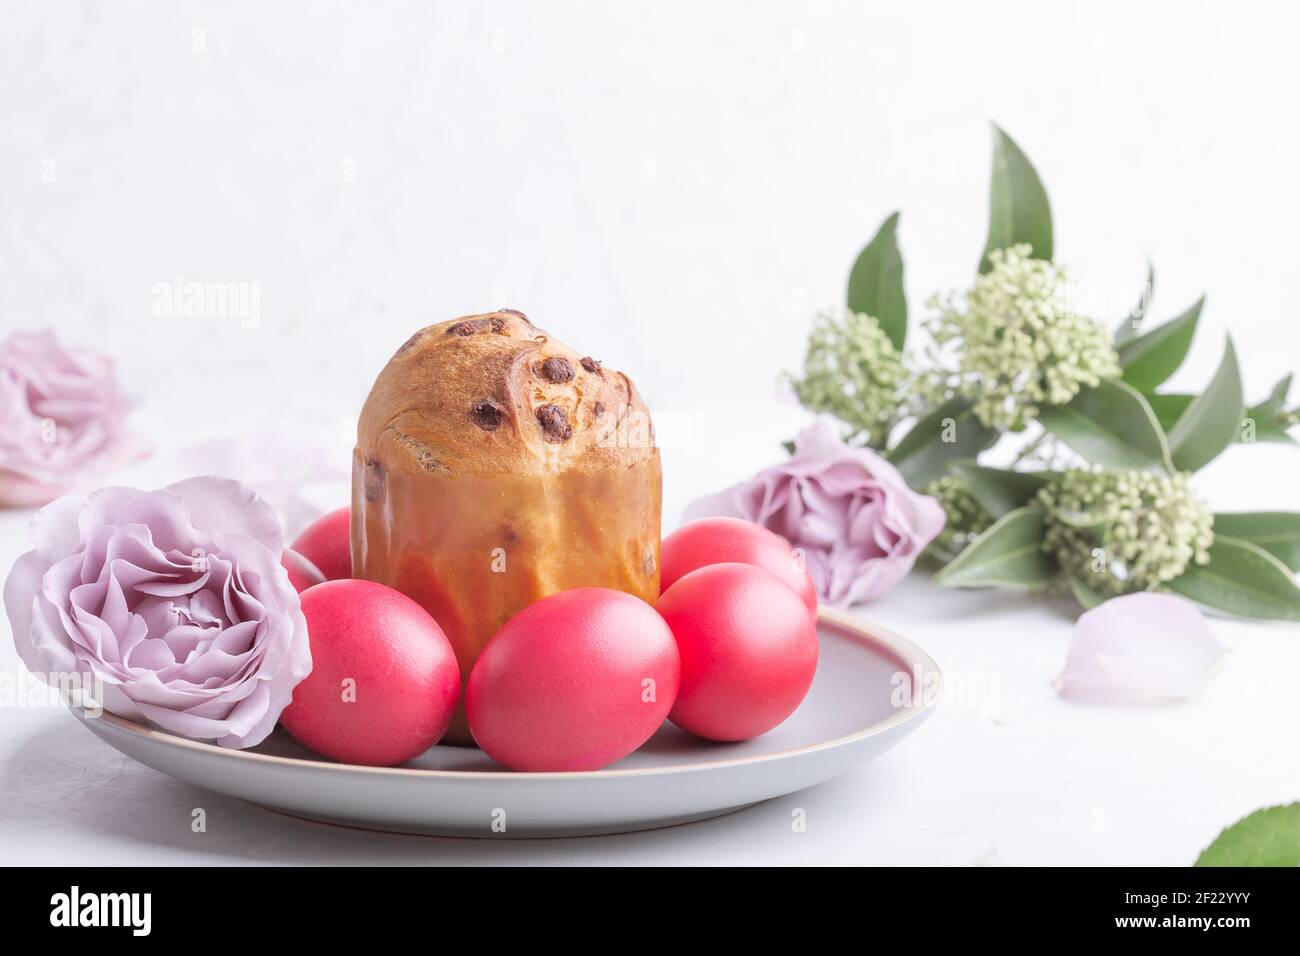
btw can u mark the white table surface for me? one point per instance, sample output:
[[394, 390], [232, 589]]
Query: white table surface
[[674, 188]]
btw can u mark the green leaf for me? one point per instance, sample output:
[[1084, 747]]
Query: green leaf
[[950, 431], [1018, 207], [1268, 416], [1277, 532], [876, 283], [1276, 400], [1128, 326], [1169, 407], [1008, 555], [996, 489], [1213, 419], [1085, 594], [1149, 359], [1275, 436], [1241, 579], [1110, 425], [1268, 837]]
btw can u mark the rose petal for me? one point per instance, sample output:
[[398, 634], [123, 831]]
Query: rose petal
[[230, 507], [53, 530], [1140, 647], [20, 591]]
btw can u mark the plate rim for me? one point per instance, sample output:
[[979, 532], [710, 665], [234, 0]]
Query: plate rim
[[917, 661]]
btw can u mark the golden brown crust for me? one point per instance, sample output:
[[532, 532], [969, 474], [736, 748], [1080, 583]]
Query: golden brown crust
[[492, 394]]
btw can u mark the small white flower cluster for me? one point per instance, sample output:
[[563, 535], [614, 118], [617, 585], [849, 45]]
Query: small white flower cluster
[[966, 519], [1124, 531], [852, 371], [1017, 343]]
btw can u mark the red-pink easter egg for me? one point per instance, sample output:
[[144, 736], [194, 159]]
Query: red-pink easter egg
[[698, 544], [748, 650], [574, 681], [302, 573], [327, 543], [384, 681]]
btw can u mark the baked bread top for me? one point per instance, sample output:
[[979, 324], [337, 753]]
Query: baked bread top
[[492, 394]]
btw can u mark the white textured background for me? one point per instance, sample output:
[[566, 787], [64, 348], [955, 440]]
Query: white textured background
[[675, 187]]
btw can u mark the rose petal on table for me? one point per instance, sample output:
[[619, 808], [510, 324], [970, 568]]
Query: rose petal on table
[[1139, 647]]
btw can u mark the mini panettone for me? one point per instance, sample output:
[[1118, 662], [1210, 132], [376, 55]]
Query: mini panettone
[[494, 466]]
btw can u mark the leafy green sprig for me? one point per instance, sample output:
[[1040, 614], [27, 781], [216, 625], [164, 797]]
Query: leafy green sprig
[[1010, 356]]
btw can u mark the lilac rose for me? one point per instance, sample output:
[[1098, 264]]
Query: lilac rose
[[860, 526], [173, 601], [62, 419]]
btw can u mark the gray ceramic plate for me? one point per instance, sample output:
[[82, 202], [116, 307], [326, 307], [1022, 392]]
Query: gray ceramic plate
[[858, 707]]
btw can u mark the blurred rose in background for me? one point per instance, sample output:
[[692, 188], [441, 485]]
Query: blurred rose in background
[[62, 419]]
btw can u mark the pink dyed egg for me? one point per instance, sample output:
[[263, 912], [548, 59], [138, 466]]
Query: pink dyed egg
[[574, 681], [698, 544], [327, 543], [748, 650], [384, 680]]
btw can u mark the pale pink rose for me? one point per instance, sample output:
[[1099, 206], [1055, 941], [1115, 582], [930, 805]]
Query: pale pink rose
[[1140, 647], [173, 601], [62, 419], [860, 526]]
